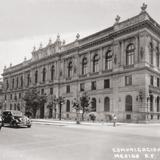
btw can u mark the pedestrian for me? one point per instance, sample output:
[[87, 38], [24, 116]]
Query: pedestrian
[[114, 120]]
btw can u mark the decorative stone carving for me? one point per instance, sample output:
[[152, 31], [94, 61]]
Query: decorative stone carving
[[34, 49], [50, 41], [58, 37], [77, 36], [64, 42], [117, 19], [144, 7], [40, 46]]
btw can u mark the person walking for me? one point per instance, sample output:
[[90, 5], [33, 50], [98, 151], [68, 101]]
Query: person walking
[[114, 120]]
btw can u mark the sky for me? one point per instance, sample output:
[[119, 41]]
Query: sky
[[27, 23]]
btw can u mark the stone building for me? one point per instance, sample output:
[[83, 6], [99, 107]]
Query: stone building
[[118, 67], [1, 95]]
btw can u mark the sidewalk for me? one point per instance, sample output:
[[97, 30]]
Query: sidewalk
[[69, 122]]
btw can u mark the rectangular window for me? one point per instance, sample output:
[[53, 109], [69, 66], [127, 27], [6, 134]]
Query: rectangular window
[[128, 116], [68, 89], [10, 106], [157, 82], [42, 91], [51, 91], [82, 87], [5, 97], [19, 95], [11, 96], [93, 85], [107, 83], [128, 80], [151, 80]]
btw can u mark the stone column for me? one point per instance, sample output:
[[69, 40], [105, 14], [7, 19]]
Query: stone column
[[137, 49], [89, 63], [39, 75], [122, 54], [101, 60], [48, 71]]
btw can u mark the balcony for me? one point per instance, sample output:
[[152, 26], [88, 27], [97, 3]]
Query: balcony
[[129, 66], [82, 75]]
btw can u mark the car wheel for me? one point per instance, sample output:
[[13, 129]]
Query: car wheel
[[14, 125], [29, 126]]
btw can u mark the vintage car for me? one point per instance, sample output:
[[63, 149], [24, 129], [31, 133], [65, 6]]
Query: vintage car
[[15, 119]]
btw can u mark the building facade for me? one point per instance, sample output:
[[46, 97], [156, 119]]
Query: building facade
[[118, 67], [1, 95]]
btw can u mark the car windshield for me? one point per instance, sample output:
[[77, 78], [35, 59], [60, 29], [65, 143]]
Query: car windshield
[[13, 113], [16, 113]]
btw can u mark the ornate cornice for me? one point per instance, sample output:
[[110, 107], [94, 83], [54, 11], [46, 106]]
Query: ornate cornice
[[93, 40]]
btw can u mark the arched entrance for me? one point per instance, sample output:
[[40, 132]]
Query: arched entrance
[[106, 104], [128, 106], [42, 111], [67, 108]]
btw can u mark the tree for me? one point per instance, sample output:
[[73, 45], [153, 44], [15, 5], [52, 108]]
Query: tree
[[51, 106], [34, 101], [84, 103], [81, 104], [60, 100], [77, 107]]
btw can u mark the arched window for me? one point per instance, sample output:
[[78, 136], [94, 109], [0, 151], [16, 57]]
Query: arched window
[[84, 66], [106, 104], [93, 105], [12, 83], [28, 79], [95, 63], [52, 72], [18, 107], [151, 103], [68, 106], [7, 84], [17, 82], [108, 60], [158, 104], [157, 56], [36, 76], [10, 106], [44, 75], [128, 103], [15, 106], [21, 81], [70, 66], [130, 52], [151, 53]]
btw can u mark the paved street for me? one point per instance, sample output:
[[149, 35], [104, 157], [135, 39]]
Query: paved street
[[76, 142]]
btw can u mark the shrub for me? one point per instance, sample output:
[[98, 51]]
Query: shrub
[[92, 117]]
